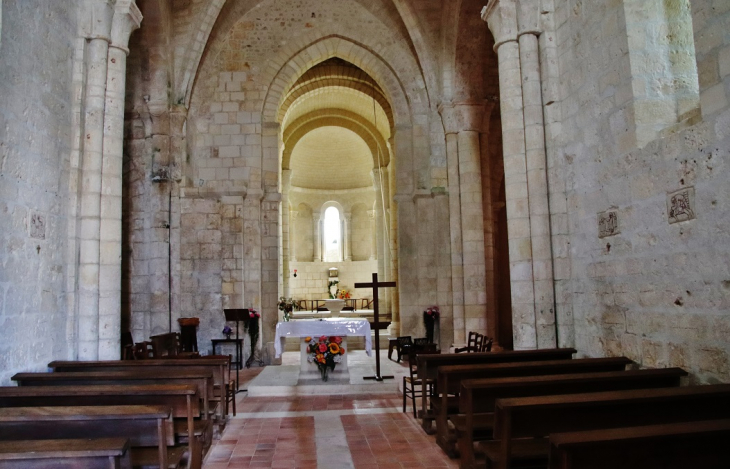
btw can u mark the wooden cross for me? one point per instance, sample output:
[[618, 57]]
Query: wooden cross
[[376, 317]]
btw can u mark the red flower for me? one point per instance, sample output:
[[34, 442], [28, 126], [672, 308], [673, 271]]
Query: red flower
[[323, 348], [337, 340], [323, 339]]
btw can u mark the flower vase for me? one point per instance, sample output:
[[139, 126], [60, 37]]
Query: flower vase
[[324, 371], [228, 336], [429, 323]]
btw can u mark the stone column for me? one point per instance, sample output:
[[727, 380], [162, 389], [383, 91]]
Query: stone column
[[392, 213], [524, 166], [374, 235], [127, 18], [528, 19], [98, 36], [292, 236], [462, 123], [347, 236], [448, 117], [317, 236]]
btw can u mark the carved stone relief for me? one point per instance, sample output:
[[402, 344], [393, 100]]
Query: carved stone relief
[[608, 223], [681, 205]]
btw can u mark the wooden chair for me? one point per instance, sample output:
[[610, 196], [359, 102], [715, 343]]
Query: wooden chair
[[231, 388], [412, 386], [473, 343], [405, 345], [127, 346], [487, 344], [166, 345], [144, 351]]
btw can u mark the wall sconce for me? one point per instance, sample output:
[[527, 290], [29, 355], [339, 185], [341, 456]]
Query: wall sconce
[[295, 272]]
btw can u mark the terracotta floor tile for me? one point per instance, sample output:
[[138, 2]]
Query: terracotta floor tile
[[380, 440]]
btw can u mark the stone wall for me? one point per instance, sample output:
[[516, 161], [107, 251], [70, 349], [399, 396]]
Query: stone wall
[[36, 99], [313, 277], [649, 274]]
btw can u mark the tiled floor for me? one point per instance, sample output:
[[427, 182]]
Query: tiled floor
[[343, 431]]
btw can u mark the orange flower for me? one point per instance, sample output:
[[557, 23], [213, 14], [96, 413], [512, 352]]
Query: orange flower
[[307, 339], [342, 350], [320, 358], [334, 348]]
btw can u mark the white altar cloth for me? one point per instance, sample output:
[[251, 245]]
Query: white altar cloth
[[320, 327]]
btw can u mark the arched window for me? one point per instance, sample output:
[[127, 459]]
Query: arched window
[[332, 235]]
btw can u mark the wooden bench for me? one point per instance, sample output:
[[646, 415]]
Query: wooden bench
[[477, 397], [182, 399], [202, 380], [217, 365], [146, 427], [668, 446], [539, 416], [97, 453], [428, 366], [449, 380]]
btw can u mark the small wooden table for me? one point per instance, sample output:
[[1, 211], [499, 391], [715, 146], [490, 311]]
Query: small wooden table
[[239, 349]]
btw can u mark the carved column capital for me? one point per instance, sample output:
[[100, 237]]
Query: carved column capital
[[127, 18], [528, 17], [501, 16], [97, 20]]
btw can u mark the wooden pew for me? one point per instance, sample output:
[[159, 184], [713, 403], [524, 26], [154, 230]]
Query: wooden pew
[[668, 446], [217, 365], [477, 397], [98, 453], [449, 380], [203, 380], [182, 399], [537, 417], [428, 365], [146, 427]]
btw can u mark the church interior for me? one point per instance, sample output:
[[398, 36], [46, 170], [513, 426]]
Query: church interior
[[545, 174]]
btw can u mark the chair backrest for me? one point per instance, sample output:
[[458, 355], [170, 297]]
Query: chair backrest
[[487, 344], [405, 340], [166, 345], [478, 342], [144, 350]]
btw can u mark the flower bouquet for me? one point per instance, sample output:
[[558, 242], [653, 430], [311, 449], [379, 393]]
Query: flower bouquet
[[286, 305], [430, 317], [252, 327], [326, 352], [227, 331], [344, 294]]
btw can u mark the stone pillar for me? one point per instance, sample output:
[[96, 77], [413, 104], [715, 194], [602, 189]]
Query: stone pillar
[[347, 236], [394, 292], [374, 235], [293, 236], [98, 37], [449, 120], [514, 24], [317, 236], [127, 18], [528, 19], [462, 125]]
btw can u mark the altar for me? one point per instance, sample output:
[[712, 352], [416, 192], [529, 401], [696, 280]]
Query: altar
[[315, 328]]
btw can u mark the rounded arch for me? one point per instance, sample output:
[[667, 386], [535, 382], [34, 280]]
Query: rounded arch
[[326, 75], [330, 203], [284, 75], [337, 118]]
